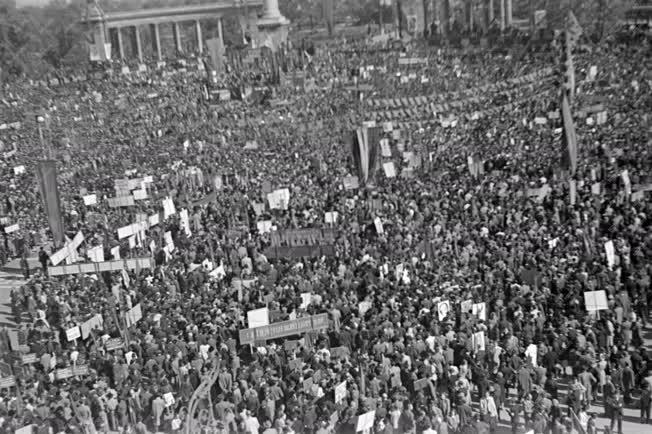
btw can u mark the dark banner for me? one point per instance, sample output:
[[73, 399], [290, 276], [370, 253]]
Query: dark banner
[[299, 251], [47, 177]]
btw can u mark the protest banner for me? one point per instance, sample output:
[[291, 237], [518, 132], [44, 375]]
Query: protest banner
[[413, 61], [283, 329], [113, 344], [124, 201], [7, 382], [28, 359], [96, 267]]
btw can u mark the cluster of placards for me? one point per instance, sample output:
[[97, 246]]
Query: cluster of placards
[[96, 267]]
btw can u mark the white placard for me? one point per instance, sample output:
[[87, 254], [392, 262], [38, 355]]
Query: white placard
[[379, 226], [364, 306], [18, 170], [185, 222], [258, 318], [610, 252], [264, 227], [443, 307], [595, 300], [96, 254], [531, 352], [478, 341], [73, 333], [306, 298], [340, 392], [115, 252], [365, 421], [480, 310], [331, 217], [389, 169], [90, 199], [13, 228], [169, 399], [140, 194], [168, 208]]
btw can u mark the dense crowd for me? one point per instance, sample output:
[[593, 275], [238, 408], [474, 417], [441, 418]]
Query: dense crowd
[[455, 291]]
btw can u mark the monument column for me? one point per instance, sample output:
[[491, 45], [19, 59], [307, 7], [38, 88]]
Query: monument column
[[470, 16], [508, 12], [219, 30], [270, 8], [502, 15], [156, 41], [272, 26], [491, 11], [121, 49], [200, 42], [177, 37], [139, 46]]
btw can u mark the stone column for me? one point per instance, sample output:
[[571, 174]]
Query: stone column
[[270, 9], [177, 36], [200, 41], [491, 11], [445, 17], [219, 31], [121, 49], [502, 15], [508, 12], [156, 41], [470, 16], [139, 45]]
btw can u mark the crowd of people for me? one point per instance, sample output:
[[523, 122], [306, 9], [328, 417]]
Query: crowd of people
[[455, 288]]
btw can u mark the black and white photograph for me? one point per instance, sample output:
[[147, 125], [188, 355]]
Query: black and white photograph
[[325, 216]]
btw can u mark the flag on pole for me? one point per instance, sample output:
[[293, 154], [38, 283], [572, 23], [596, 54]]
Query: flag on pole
[[569, 140], [47, 180], [366, 141], [571, 36], [573, 28]]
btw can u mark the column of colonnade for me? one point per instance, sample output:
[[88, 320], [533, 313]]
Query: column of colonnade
[[134, 36], [505, 8]]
